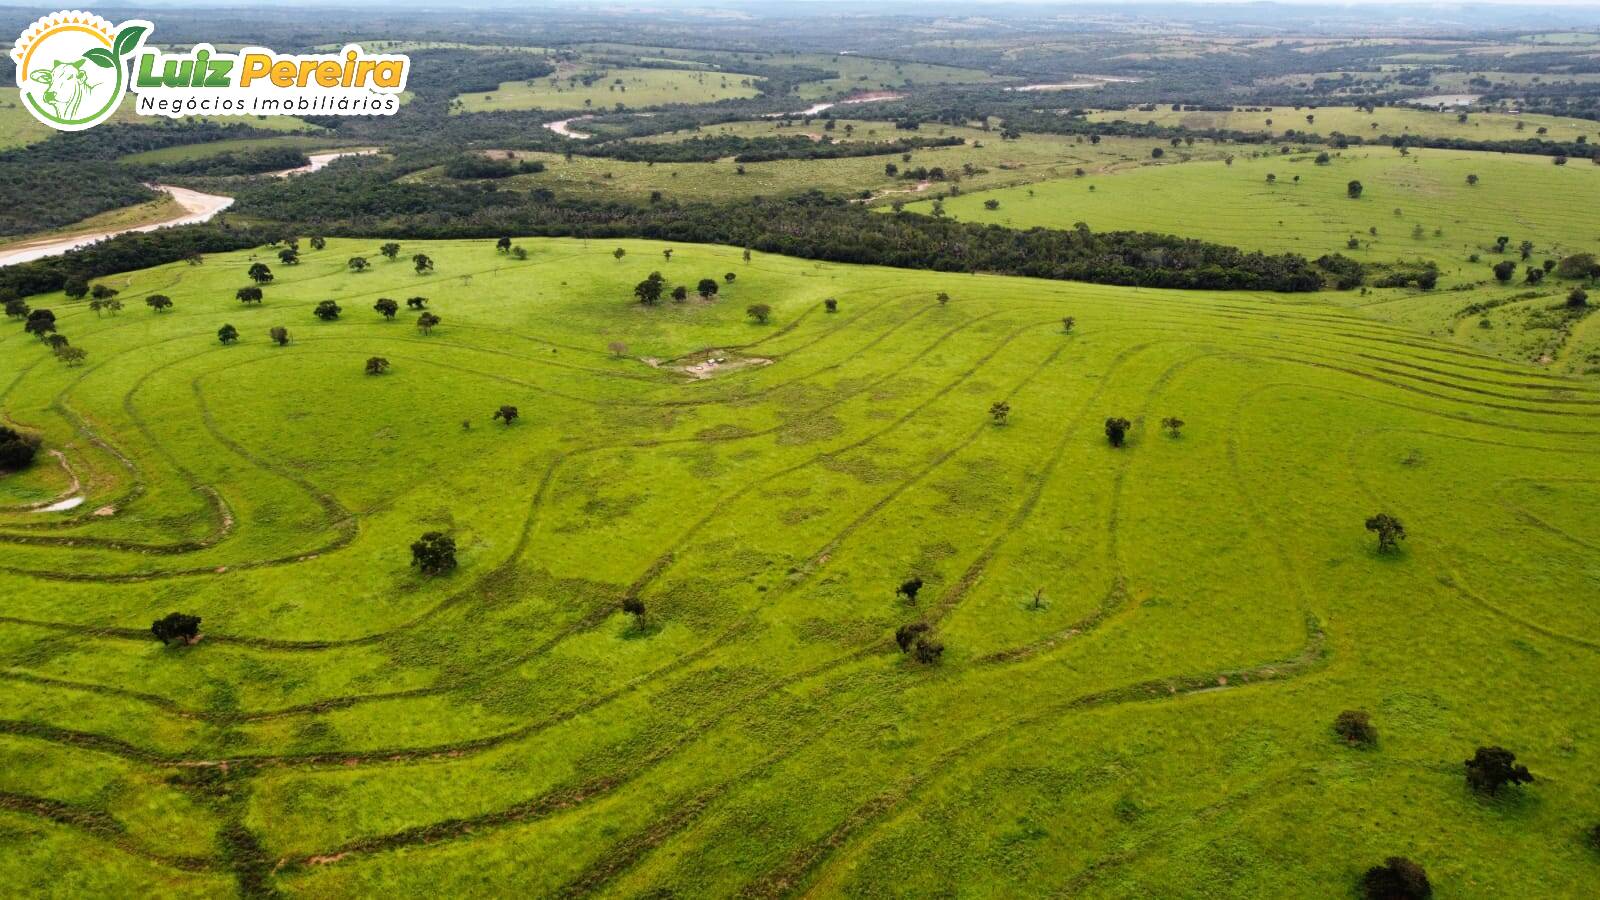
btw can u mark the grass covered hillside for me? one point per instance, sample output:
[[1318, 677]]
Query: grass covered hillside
[[1394, 121], [1413, 209], [666, 658]]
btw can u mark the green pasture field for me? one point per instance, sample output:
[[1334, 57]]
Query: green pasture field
[[185, 152], [1234, 204], [1393, 121], [1144, 648], [635, 88], [854, 74], [997, 162]]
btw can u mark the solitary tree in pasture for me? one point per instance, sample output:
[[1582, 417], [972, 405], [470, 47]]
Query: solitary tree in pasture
[[707, 288], [633, 606], [158, 302], [17, 449], [103, 292], [1272, 178], [991, 204], [72, 357], [910, 588], [248, 295], [1504, 269], [1117, 430], [729, 277], [1067, 323], [1173, 425], [386, 307], [667, 254], [390, 251], [1353, 190], [999, 411], [318, 242], [227, 334], [503, 245], [357, 264], [1397, 879], [279, 335], [434, 553], [761, 312], [57, 343], [1355, 728], [519, 254], [176, 627], [506, 414], [289, 256], [1472, 179], [416, 303], [905, 637], [1492, 768], [943, 298], [1390, 531], [618, 254], [680, 294], [422, 263], [259, 273], [377, 365], [16, 309], [327, 311], [831, 305], [427, 322], [618, 349]]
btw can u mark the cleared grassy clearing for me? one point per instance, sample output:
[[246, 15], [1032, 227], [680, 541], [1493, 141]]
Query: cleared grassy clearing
[[1390, 120], [185, 152], [1158, 721], [1426, 191], [854, 74], [996, 162], [632, 88]]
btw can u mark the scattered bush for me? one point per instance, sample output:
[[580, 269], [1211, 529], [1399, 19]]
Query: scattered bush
[[1492, 768], [1397, 879], [1355, 727], [434, 553], [176, 627], [17, 449], [1389, 530]]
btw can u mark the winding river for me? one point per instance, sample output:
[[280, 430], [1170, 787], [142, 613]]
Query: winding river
[[196, 207]]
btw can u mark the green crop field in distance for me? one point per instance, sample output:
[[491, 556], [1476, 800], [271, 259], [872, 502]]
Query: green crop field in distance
[[1144, 648], [852, 73], [634, 88], [1394, 121], [1412, 209]]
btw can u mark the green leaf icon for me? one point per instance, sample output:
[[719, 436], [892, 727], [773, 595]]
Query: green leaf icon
[[127, 39], [100, 56]]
